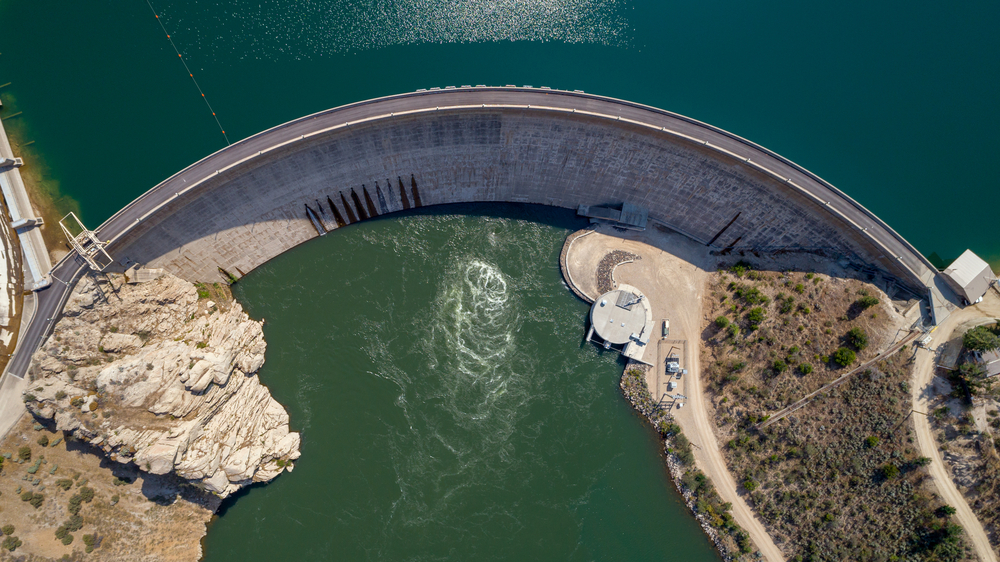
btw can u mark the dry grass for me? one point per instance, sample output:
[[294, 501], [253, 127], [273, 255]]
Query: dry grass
[[155, 518], [806, 320], [840, 479], [970, 451]]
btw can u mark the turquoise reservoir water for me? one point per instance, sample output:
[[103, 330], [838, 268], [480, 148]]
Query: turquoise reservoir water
[[448, 408], [893, 102], [433, 364]]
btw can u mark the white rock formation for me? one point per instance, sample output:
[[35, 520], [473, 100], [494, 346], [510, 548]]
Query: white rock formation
[[154, 375]]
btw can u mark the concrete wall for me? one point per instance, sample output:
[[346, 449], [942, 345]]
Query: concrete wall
[[254, 209]]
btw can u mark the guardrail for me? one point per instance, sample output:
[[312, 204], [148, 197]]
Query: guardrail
[[287, 142]]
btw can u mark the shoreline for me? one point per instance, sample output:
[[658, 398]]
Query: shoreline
[[42, 189], [119, 432], [640, 402], [641, 399]]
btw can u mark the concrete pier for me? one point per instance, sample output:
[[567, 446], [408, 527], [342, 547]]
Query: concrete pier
[[23, 218]]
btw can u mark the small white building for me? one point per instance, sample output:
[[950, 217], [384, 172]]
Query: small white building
[[623, 318], [990, 361], [970, 276]]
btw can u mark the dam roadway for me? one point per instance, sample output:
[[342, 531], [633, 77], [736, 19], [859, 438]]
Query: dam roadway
[[781, 206]]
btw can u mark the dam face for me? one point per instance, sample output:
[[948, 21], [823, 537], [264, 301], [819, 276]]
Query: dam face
[[250, 202]]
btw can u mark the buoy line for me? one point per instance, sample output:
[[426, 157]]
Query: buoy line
[[186, 67]]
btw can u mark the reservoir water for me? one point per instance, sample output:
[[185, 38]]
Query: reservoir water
[[448, 408], [893, 102], [433, 363]]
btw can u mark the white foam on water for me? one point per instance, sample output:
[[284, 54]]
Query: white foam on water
[[464, 407], [273, 29]]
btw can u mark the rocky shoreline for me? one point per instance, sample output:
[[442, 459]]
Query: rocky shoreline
[[637, 393], [162, 375]]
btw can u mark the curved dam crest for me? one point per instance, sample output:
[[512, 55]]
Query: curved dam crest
[[518, 145], [227, 214]]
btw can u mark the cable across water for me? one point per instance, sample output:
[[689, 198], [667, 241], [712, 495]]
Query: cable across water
[[188, 69]]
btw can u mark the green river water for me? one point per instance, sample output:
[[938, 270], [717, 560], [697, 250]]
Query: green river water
[[433, 363], [448, 409]]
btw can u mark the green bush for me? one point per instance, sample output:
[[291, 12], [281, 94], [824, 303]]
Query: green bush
[[751, 295], [733, 330], [945, 511], [799, 288], [667, 429], [86, 494], [721, 321], [11, 543], [980, 338], [866, 302], [43, 440], [805, 368], [682, 448], [8, 529], [74, 504], [749, 484], [64, 483], [26, 496], [74, 523], [871, 441], [755, 317], [67, 540], [76, 401], [24, 453], [843, 357], [36, 500], [857, 338], [787, 305], [89, 541], [890, 471], [740, 268], [60, 394], [779, 366]]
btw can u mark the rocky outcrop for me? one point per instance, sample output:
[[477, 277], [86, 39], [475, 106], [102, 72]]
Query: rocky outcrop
[[154, 375]]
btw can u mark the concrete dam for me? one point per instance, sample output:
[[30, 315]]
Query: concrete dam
[[232, 211], [243, 205]]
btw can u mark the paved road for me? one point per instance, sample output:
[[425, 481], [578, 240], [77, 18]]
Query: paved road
[[921, 394], [116, 229]]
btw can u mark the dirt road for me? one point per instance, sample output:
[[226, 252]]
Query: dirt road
[[922, 393], [708, 457], [673, 281]]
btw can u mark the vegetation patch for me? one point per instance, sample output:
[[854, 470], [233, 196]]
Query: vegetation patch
[[840, 479], [701, 496], [967, 425]]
